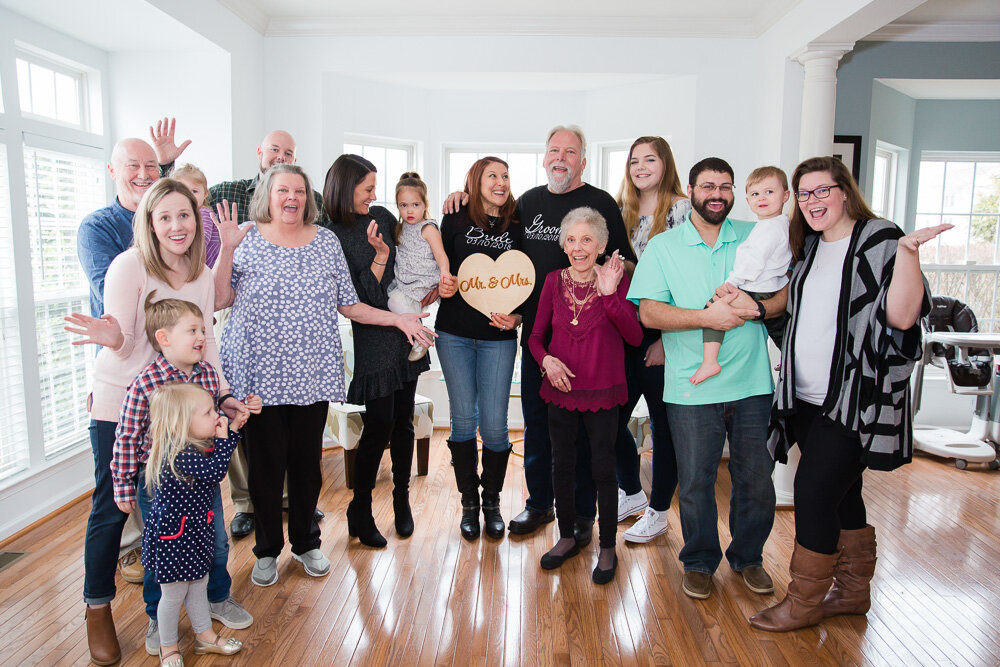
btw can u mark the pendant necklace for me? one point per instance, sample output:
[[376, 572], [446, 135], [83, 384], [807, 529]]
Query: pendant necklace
[[578, 304]]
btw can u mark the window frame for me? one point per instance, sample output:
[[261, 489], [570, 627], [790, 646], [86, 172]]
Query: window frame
[[78, 73], [487, 148], [371, 141], [604, 163]]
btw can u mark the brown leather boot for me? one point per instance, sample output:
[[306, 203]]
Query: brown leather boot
[[851, 592], [101, 637], [811, 574]]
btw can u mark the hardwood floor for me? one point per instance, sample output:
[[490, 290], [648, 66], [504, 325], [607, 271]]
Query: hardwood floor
[[436, 599]]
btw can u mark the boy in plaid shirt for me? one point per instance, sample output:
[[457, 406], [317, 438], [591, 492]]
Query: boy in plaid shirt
[[176, 330]]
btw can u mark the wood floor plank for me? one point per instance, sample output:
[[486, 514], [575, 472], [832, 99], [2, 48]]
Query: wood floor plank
[[435, 599]]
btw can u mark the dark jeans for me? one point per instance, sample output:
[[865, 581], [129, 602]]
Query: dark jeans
[[104, 526], [538, 448], [648, 382], [699, 433], [219, 581], [600, 427], [827, 481], [285, 439], [386, 419]]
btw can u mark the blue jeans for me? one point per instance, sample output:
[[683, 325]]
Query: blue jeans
[[219, 581], [538, 448], [104, 526], [477, 374], [646, 381], [699, 433]]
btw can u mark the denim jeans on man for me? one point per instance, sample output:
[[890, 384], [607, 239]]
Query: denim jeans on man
[[538, 448], [477, 374], [699, 434], [219, 581], [104, 526]]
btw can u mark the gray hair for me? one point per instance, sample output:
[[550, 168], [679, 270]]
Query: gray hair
[[575, 129], [260, 205], [588, 215]]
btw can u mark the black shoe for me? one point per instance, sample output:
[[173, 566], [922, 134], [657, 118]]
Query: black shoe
[[493, 524], [494, 472], [529, 520], [550, 562], [361, 524], [318, 515], [604, 576], [583, 532], [465, 458], [241, 525], [401, 510], [470, 520]]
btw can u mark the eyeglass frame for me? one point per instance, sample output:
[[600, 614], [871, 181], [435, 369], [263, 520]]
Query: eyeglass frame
[[709, 188], [815, 193]]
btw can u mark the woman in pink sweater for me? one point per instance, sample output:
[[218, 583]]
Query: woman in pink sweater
[[168, 255], [582, 319]]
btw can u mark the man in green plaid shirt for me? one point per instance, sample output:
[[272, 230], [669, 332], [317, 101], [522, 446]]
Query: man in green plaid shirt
[[277, 147]]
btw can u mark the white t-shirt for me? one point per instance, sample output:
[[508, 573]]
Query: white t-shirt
[[762, 260], [817, 321]]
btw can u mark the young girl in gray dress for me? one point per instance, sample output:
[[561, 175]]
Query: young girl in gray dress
[[420, 258]]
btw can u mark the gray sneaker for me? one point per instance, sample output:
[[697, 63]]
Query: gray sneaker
[[153, 638], [314, 562], [231, 614], [265, 571]]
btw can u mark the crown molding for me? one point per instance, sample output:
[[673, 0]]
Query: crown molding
[[944, 31], [248, 13], [562, 26]]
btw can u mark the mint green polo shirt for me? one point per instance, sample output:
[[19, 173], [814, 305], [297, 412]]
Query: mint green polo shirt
[[679, 268]]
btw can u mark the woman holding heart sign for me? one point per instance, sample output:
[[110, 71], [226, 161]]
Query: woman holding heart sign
[[477, 351], [582, 320]]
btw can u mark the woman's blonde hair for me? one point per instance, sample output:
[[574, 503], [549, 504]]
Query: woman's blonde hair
[[145, 240], [171, 409], [668, 190], [193, 173]]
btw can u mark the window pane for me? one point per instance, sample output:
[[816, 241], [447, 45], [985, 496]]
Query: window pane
[[981, 294], [958, 187], [354, 149], [523, 172], [24, 85], [982, 245], [929, 251], [615, 169], [987, 198], [952, 284], [67, 99], [879, 185], [61, 190], [43, 91], [954, 241], [396, 162], [930, 187], [458, 166], [13, 431]]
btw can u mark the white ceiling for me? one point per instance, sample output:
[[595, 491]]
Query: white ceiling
[[946, 89], [946, 21]]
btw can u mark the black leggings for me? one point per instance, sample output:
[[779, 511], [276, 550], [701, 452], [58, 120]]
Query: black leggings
[[827, 481], [386, 419], [601, 427]]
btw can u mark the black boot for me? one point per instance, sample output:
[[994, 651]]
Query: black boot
[[494, 472], [361, 523], [401, 509], [466, 458]]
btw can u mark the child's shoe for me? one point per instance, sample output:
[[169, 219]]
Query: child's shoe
[[417, 353], [172, 659], [231, 646]]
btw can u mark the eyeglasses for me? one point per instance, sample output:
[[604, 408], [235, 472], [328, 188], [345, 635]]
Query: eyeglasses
[[820, 193], [708, 188]]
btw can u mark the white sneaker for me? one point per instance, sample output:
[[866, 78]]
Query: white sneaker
[[649, 525], [629, 505]]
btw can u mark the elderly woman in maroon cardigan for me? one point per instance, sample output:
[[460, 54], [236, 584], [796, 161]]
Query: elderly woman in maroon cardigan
[[582, 319]]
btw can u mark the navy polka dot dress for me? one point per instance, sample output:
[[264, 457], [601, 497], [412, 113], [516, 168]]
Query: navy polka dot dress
[[178, 541]]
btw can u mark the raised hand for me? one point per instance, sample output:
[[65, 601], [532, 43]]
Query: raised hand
[[166, 148], [912, 242], [609, 275], [375, 241], [104, 331], [230, 233]]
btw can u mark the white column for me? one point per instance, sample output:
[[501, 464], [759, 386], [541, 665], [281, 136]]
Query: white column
[[819, 97]]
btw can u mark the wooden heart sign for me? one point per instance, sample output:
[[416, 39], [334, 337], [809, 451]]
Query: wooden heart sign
[[496, 287]]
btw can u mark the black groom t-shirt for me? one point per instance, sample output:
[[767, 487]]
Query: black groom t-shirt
[[541, 213]]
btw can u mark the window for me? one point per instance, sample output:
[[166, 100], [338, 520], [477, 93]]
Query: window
[[391, 159], [51, 90], [614, 166], [525, 167], [884, 184], [14, 453], [61, 190], [964, 262]]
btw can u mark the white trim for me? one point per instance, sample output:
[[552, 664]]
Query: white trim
[[959, 156], [39, 491], [941, 31], [248, 13]]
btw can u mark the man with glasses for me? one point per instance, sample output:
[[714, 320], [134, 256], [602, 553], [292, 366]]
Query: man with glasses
[[677, 275]]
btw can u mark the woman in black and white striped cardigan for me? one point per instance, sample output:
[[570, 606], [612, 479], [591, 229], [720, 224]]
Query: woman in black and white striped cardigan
[[855, 299]]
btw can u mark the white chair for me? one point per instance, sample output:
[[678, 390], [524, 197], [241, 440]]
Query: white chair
[[345, 424], [640, 427]]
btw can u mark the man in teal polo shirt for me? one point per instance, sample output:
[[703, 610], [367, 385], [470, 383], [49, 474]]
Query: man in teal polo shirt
[[677, 275]]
